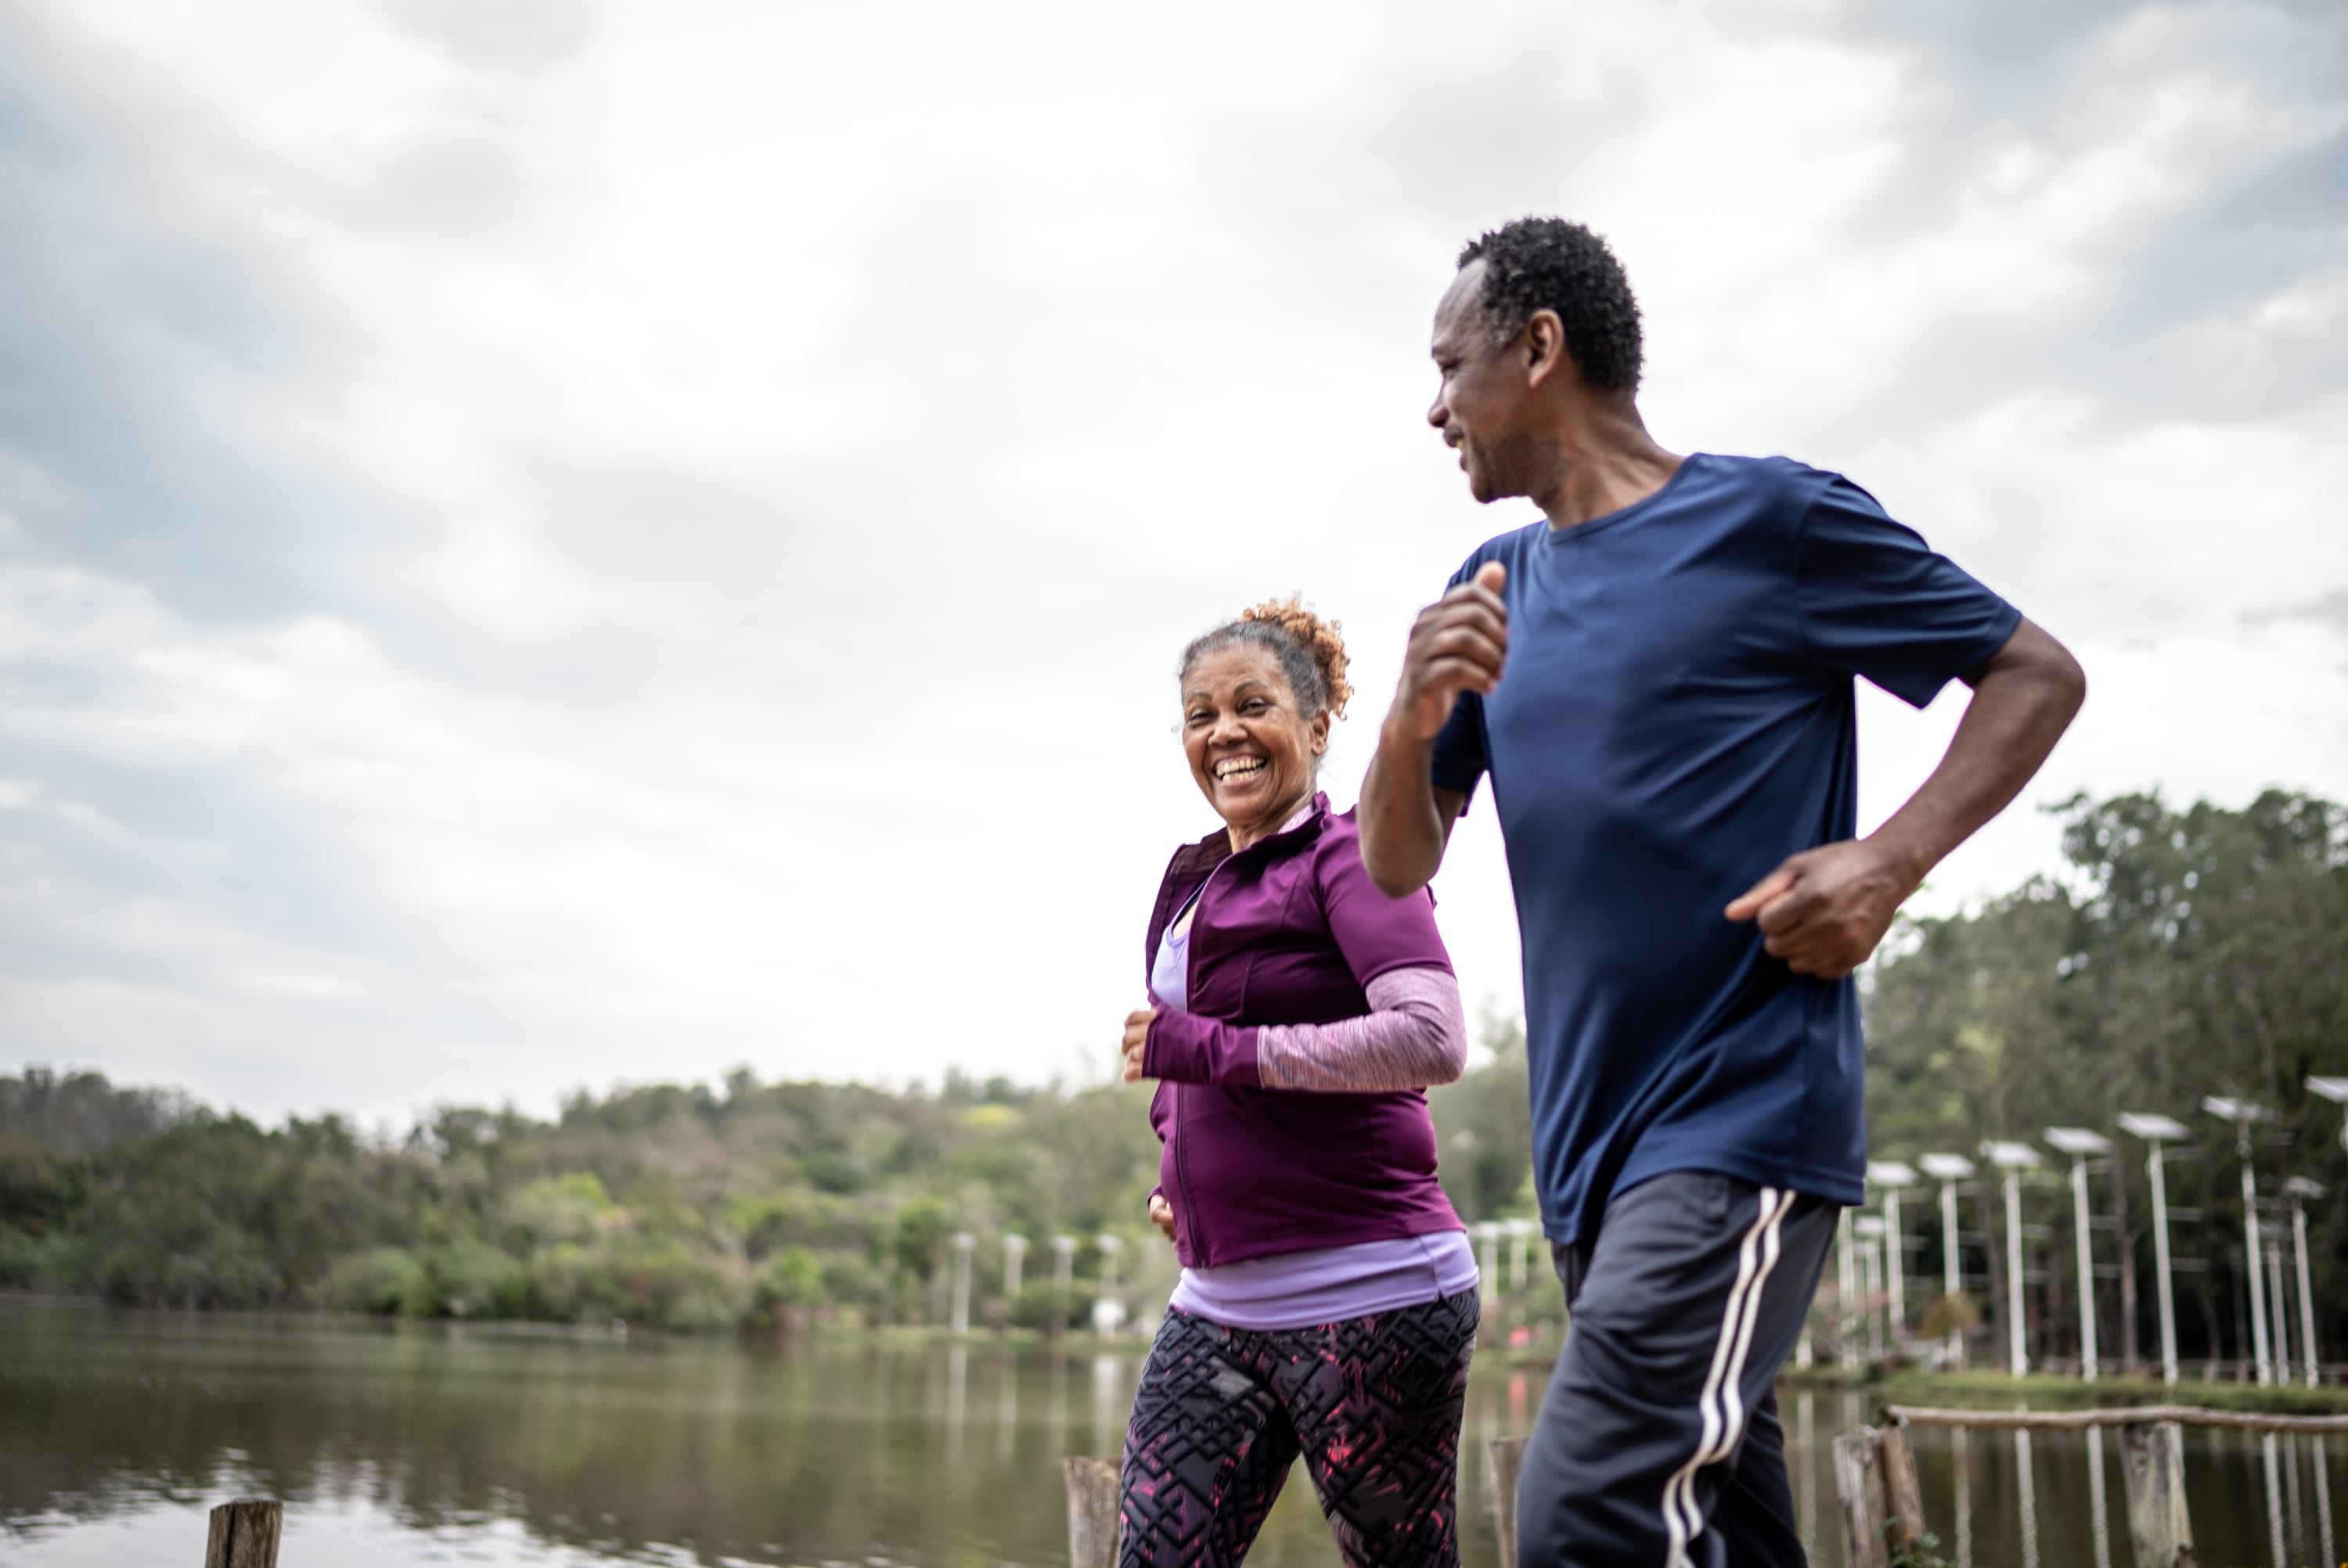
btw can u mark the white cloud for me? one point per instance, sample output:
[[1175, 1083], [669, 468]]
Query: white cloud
[[773, 458]]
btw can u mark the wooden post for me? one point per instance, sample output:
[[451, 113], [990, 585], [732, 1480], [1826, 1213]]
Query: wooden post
[[2153, 1461], [1092, 1512], [1903, 1498], [245, 1533], [1858, 1483], [1508, 1456]]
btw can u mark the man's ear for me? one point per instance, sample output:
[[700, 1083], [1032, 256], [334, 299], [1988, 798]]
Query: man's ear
[[1544, 348]]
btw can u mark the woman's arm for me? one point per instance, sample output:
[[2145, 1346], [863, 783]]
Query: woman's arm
[[1415, 1035]]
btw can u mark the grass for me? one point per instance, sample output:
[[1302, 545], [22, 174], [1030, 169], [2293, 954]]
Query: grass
[[1915, 1387]]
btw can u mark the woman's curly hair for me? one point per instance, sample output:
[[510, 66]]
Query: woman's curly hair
[[1311, 652]]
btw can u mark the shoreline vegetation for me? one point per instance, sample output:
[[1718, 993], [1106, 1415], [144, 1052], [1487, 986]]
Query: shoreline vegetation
[[2180, 952]]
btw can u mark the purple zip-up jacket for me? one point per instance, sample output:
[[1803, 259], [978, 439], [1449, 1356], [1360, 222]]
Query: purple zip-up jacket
[[1290, 931]]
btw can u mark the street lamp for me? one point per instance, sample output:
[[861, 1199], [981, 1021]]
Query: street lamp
[[2336, 1090], [2156, 1129], [2012, 1158], [962, 1242], [1520, 1236], [1015, 1256], [1949, 1170], [2299, 1189], [1869, 1231], [2079, 1143], [1891, 1175], [2241, 1114]]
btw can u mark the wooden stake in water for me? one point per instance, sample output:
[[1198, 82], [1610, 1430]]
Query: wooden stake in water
[[1507, 1464], [1858, 1484], [1092, 1512], [245, 1533], [2153, 1462]]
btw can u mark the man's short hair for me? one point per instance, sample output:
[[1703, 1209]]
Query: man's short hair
[[1547, 264]]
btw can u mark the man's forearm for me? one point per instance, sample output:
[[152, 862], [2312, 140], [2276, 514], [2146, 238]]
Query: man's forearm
[[2023, 699], [1402, 824]]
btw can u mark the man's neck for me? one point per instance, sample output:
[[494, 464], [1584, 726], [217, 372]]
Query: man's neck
[[1605, 461]]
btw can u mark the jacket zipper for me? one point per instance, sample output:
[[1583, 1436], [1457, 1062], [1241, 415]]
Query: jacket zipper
[[1181, 1160]]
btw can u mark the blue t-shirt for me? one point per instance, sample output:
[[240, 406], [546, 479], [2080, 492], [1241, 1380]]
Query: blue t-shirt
[[1675, 720]]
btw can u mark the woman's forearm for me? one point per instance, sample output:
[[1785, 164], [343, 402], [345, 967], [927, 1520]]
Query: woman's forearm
[[1415, 1035]]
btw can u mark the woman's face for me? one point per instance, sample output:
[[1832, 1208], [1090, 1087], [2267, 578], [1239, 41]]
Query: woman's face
[[1252, 751]]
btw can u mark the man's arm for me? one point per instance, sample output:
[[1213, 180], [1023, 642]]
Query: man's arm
[[1824, 910], [1457, 644]]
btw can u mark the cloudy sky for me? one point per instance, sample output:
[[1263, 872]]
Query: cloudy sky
[[545, 544]]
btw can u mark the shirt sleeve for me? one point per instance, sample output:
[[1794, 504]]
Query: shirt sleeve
[[1875, 600], [1374, 932], [1415, 1035]]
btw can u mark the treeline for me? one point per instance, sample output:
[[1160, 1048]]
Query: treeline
[[2181, 953], [682, 1207]]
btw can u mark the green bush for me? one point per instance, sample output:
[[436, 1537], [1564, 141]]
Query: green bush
[[467, 1279], [376, 1280], [1038, 1305]]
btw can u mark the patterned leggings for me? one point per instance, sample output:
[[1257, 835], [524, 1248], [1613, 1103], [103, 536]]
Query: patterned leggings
[[1373, 1404]]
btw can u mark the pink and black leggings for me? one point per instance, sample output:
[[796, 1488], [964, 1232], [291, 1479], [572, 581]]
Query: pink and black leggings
[[1373, 1404]]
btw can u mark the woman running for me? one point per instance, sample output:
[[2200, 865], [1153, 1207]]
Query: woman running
[[1327, 1305]]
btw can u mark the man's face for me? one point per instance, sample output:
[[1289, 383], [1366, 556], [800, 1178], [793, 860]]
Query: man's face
[[1484, 390]]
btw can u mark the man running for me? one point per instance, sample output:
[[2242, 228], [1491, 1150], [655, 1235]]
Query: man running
[[1658, 678]]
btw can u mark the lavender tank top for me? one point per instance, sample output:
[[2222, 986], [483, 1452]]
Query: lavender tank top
[[1301, 1289]]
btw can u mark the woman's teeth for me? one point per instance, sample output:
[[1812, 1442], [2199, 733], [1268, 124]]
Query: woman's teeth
[[1239, 767]]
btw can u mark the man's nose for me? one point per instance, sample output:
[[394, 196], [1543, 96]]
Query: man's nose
[[1439, 415]]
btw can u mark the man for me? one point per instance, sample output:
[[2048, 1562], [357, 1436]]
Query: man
[[1658, 678]]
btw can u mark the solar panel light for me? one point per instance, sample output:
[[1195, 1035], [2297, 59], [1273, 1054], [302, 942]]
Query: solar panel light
[[2008, 1156], [2234, 1110], [2335, 1089], [2301, 1187], [1946, 1167], [2153, 1127], [1891, 1174], [2078, 1141]]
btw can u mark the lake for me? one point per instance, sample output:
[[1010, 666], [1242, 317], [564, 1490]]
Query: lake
[[396, 1444]]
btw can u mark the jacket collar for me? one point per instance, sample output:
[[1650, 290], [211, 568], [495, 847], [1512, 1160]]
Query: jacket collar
[[1216, 847], [1193, 862]]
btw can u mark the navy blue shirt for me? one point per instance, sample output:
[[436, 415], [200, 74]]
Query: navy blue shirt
[[1676, 719]]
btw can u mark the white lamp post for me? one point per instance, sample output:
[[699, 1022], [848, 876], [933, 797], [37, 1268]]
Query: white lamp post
[[1015, 1256], [2156, 1130], [1868, 1229], [1891, 1175], [2241, 1114], [1488, 1248], [2079, 1143], [1846, 1293], [1520, 1236], [1063, 1273], [2299, 1189], [962, 1242], [2012, 1158], [1949, 1170], [2336, 1090]]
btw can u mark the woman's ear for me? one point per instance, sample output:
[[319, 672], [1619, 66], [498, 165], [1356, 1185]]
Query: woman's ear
[[1321, 732]]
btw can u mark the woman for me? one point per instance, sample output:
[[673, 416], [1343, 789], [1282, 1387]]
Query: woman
[[1328, 1300]]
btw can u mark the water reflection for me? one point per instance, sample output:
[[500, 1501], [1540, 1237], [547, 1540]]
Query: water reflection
[[1964, 1501], [2096, 1506], [2027, 1491], [2323, 1500], [1806, 1470], [395, 1445]]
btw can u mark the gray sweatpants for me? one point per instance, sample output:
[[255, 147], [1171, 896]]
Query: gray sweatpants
[[1658, 1442]]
